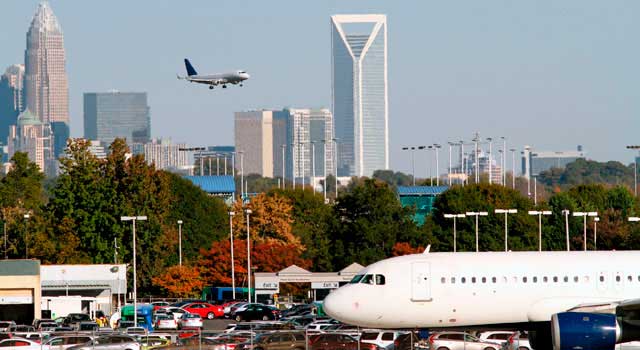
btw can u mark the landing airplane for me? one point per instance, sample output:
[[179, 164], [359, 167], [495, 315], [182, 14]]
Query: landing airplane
[[566, 300], [212, 80]]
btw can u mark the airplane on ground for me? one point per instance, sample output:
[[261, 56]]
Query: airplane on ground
[[235, 78], [566, 300]]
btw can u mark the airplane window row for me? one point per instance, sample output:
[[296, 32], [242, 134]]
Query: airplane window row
[[534, 279], [369, 279]]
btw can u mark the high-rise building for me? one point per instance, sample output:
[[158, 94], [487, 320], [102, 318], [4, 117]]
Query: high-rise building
[[111, 115], [163, 154], [11, 98], [359, 93], [45, 84], [34, 137], [254, 142], [310, 134], [535, 162]]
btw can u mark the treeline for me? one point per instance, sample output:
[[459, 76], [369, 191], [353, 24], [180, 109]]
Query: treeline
[[76, 219]]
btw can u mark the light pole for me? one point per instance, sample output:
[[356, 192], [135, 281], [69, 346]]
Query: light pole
[[566, 213], [504, 160], [133, 220], [635, 170], [476, 214], [313, 165], [241, 175], [502, 180], [302, 159], [248, 211], [584, 215], [454, 217], [233, 269], [462, 170], [539, 213], [506, 212], [335, 141], [429, 171], [595, 232], [293, 164], [535, 191], [180, 242], [26, 241], [449, 171], [413, 163], [436, 148], [477, 164], [489, 159], [324, 169]]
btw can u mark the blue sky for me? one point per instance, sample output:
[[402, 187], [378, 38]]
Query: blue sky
[[550, 74]]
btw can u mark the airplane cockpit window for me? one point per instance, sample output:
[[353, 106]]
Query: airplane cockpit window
[[380, 280], [356, 279], [368, 279]]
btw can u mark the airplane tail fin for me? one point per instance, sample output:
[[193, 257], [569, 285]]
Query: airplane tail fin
[[190, 70]]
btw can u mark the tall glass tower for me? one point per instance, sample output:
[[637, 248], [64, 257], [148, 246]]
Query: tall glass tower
[[45, 87], [359, 93]]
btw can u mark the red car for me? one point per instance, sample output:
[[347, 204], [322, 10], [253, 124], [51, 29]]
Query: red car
[[205, 310]]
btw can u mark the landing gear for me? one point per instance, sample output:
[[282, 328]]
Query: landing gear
[[224, 86], [210, 87], [241, 84]]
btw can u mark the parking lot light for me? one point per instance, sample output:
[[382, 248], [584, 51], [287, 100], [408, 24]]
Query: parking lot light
[[454, 217], [539, 213], [476, 214]]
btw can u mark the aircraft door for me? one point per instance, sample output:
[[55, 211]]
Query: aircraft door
[[421, 281]]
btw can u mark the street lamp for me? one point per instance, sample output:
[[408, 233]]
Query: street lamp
[[449, 171], [476, 214], [413, 163], [26, 241], [584, 215], [454, 217], [335, 141], [133, 220], [566, 213], [284, 147], [635, 170], [242, 189], [489, 159], [248, 211], [504, 161], [180, 242], [233, 269], [595, 232], [513, 168], [539, 213], [436, 148], [506, 212]]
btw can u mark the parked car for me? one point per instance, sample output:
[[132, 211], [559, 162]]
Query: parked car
[[72, 320], [458, 341], [207, 310], [47, 326], [236, 307], [227, 342], [407, 341], [176, 312], [275, 341], [153, 343], [254, 312], [329, 341], [157, 305], [65, 342], [6, 326], [109, 342], [165, 321], [498, 337], [297, 310], [382, 338], [22, 328], [190, 321], [318, 327], [19, 344], [518, 341]]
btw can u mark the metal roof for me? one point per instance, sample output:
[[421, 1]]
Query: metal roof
[[421, 190], [214, 184]]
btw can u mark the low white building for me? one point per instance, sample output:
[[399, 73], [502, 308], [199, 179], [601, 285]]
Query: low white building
[[83, 288]]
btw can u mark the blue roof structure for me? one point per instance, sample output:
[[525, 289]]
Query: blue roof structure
[[214, 184], [421, 190]]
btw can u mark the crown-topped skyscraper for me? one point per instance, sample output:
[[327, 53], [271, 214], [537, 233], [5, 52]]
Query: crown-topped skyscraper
[[45, 87]]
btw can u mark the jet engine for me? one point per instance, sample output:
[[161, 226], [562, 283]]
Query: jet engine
[[585, 331]]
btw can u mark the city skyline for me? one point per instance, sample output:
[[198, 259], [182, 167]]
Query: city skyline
[[551, 81]]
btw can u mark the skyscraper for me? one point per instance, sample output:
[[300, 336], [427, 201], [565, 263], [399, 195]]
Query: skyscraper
[[254, 138], [359, 93], [111, 115], [46, 90], [310, 132], [32, 136], [11, 98]]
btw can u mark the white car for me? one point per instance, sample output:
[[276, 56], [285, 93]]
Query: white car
[[498, 337], [165, 321], [19, 344], [458, 341], [65, 342], [382, 338], [190, 321], [317, 327], [175, 311]]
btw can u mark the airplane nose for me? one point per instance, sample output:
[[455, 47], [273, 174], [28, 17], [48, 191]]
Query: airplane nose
[[334, 304]]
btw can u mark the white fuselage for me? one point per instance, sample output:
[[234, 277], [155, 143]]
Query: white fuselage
[[472, 289], [219, 79]]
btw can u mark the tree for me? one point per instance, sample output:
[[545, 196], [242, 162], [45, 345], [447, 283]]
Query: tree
[[270, 219], [180, 282]]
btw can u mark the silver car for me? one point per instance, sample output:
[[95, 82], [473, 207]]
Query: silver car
[[65, 342], [190, 321], [111, 342], [459, 341]]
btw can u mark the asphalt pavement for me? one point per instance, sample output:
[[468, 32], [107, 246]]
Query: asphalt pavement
[[216, 324]]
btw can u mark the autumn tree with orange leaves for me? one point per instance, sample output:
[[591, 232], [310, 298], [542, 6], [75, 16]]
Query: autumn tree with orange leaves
[[180, 282]]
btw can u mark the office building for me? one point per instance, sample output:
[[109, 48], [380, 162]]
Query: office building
[[114, 114], [310, 134], [163, 154], [359, 93], [46, 90], [254, 141], [11, 98], [34, 137], [535, 162]]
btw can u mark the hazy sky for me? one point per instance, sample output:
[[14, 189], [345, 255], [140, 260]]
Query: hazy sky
[[550, 74]]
